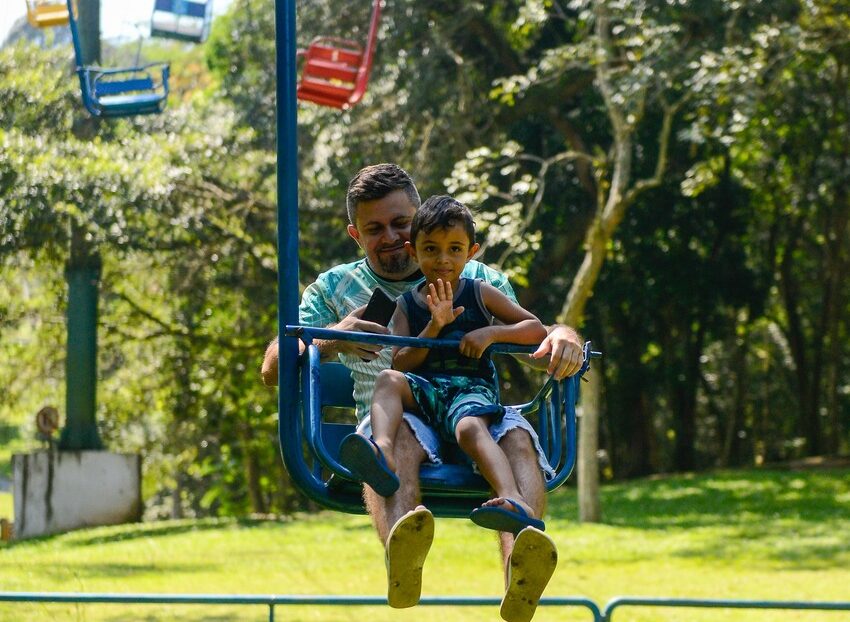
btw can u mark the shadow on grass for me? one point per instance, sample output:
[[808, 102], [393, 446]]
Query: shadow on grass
[[135, 531], [720, 499], [793, 519], [187, 618], [87, 569]]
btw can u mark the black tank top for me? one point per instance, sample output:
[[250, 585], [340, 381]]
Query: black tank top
[[475, 315]]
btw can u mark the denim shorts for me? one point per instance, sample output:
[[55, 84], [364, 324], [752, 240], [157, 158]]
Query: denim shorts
[[433, 445]]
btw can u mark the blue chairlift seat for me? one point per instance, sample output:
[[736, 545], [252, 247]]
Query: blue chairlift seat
[[450, 489], [185, 20], [124, 92], [118, 92]]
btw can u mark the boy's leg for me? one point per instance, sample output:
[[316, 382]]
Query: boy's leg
[[390, 398], [474, 438]]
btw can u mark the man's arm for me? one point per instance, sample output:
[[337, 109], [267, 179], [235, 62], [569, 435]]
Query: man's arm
[[329, 348], [269, 369]]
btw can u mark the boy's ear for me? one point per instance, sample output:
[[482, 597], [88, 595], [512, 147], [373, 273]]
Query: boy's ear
[[472, 250], [410, 249]]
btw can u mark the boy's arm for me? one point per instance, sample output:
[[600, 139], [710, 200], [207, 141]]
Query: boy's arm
[[439, 300], [518, 325]]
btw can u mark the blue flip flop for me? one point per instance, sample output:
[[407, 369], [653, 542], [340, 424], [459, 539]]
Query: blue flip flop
[[501, 519], [358, 454]]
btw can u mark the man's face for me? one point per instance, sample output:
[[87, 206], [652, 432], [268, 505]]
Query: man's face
[[381, 228]]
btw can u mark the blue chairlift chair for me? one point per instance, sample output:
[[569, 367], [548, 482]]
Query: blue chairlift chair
[[310, 443], [184, 20], [119, 92]]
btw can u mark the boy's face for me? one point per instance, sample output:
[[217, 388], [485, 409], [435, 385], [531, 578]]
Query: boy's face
[[442, 253]]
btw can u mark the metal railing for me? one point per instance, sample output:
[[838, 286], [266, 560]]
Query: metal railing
[[698, 603], [278, 600], [271, 601]]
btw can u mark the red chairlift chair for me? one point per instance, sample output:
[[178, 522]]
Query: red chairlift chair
[[336, 71]]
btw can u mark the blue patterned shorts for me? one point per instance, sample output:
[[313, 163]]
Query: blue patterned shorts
[[445, 400]]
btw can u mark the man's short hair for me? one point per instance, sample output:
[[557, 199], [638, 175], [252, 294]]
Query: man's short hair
[[442, 212], [377, 181]]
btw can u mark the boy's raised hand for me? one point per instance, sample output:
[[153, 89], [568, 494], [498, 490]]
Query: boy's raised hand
[[439, 302]]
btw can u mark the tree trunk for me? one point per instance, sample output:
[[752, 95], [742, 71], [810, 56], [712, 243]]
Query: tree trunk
[[589, 506], [252, 471]]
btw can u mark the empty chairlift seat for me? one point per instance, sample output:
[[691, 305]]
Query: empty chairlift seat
[[119, 92], [336, 71], [331, 70], [46, 13], [125, 92], [186, 20]]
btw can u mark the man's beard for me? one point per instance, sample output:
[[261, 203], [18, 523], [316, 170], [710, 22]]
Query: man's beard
[[395, 264]]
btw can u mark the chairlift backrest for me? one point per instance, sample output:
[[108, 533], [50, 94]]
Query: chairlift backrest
[[185, 20]]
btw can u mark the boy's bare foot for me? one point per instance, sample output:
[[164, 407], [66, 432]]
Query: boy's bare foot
[[509, 504]]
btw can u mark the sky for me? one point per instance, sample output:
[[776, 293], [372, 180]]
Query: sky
[[118, 18]]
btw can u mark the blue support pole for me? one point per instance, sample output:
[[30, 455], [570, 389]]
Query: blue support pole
[[287, 209]]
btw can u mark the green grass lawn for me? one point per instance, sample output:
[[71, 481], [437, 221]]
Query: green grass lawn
[[748, 535]]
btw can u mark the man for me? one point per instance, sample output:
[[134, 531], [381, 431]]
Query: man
[[381, 202]]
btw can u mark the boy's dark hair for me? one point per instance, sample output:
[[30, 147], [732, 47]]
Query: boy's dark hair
[[376, 182], [442, 212]]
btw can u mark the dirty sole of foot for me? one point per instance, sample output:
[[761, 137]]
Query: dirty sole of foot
[[532, 564], [407, 547]]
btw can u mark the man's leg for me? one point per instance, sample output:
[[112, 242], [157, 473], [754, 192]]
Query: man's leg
[[385, 511], [523, 458], [405, 534], [530, 558]]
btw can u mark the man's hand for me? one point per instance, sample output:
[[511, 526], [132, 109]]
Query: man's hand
[[564, 347], [329, 348], [352, 322]]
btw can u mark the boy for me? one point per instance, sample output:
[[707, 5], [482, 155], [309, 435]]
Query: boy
[[454, 391]]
